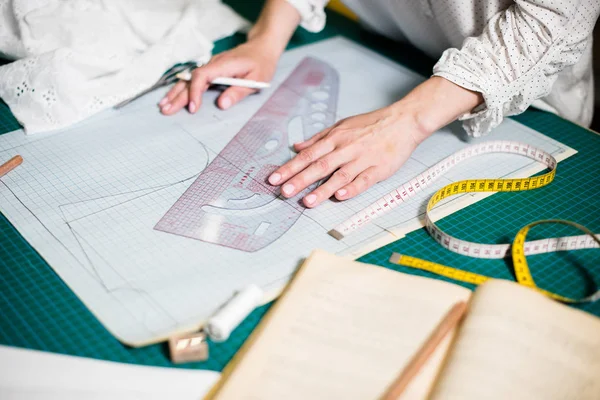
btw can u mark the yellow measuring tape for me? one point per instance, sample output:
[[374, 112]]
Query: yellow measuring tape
[[522, 272], [520, 247]]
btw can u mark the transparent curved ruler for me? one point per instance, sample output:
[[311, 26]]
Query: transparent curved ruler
[[231, 203]]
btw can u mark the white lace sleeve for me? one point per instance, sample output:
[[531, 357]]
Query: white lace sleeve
[[518, 56], [78, 58], [312, 13]]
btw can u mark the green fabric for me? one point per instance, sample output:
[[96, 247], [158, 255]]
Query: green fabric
[[38, 311]]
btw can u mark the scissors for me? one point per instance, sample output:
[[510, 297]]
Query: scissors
[[168, 77]]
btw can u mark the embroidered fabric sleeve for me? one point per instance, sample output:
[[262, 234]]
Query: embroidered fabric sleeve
[[64, 74], [312, 13], [518, 56]]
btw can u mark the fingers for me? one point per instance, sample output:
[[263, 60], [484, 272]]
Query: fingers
[[362, 182], [201, 78], [175, 90], [220, 67], [342, 177], [357, 152], [300, 162], [180, 101], [175, 100], [316, 171], [232, 96], [166, 103], [303, 145]]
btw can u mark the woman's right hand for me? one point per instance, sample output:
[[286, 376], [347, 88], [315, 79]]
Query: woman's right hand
[[253, 60]]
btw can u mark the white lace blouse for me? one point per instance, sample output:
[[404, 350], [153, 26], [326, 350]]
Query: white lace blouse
[[517, 53]]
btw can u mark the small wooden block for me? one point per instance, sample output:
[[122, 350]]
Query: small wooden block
[[337, 235], [188, 348]]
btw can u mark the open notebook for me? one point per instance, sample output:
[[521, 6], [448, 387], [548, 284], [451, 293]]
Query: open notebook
[[344, 330]]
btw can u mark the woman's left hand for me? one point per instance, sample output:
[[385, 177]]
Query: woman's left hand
[[360, 151], [357, 152]]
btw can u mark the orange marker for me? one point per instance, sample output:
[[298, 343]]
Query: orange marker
[[10, 165]]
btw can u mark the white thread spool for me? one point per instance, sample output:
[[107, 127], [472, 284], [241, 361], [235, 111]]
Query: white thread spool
[[227, 318]]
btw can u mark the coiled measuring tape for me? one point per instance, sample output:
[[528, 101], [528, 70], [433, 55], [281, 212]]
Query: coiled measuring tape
[[519, 249]]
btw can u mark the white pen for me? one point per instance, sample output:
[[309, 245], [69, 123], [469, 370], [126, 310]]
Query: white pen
[[187, 75]]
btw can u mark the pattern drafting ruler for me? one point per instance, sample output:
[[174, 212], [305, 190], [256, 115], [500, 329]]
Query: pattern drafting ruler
[[231, 203]]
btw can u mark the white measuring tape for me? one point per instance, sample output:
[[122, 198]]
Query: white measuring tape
[[520, 248]]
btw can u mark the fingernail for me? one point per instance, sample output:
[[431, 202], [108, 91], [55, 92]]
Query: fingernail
[[192, 107], [164, 101], [225, 103], [341, 192], [166, 108], [273, 179], [310, 199], [288, 188]]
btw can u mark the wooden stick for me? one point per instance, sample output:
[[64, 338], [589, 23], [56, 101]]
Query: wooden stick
[[10, 165], [451, 319]]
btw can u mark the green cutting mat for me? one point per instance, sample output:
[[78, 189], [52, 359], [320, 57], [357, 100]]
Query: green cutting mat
[[38, 311]]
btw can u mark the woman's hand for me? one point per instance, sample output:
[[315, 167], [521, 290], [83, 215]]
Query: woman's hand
[[359, 151], [252, 60], [256, 60]]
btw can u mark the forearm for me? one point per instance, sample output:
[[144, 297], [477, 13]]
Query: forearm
[[434, 104], [275, 26], [517, 57]]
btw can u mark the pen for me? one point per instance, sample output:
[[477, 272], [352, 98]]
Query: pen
[[451, 319], [187, 75], [10, 165]]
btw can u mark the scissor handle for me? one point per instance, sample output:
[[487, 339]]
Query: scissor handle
[[167, 78]]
